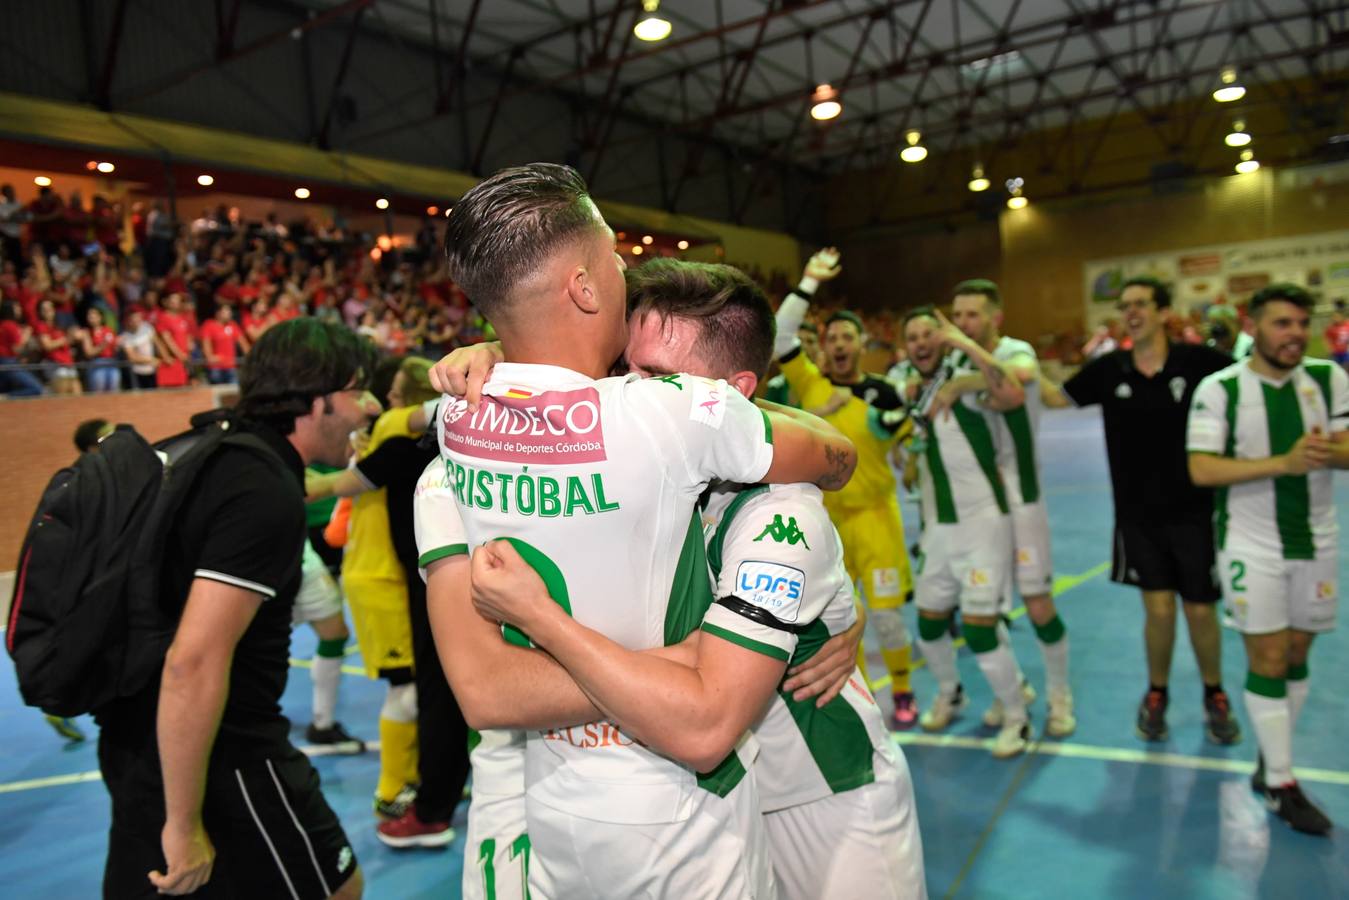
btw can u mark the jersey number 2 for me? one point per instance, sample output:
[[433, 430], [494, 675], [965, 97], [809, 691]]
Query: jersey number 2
[[1238, 569]]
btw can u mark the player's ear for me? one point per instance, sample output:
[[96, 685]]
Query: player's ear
[[581, 290], [744, 382]]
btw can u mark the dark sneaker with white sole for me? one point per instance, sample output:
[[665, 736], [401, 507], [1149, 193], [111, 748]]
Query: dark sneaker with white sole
[[1291, 805], [1219, 723], [334, 739]]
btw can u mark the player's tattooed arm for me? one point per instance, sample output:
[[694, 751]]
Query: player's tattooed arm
[[841, 465], [807, 449]]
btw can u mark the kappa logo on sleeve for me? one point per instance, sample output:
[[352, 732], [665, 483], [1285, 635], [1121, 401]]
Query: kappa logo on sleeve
[[771, 586], [781, 532]]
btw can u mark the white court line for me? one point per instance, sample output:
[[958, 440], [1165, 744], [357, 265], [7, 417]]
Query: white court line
[[33, 784], [1119, 754]]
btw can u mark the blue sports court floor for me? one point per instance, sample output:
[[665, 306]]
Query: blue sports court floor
[[1099, 815]]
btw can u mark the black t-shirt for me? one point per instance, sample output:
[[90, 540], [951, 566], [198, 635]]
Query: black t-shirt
[[396, 465], [243, 524], [1145, 421]]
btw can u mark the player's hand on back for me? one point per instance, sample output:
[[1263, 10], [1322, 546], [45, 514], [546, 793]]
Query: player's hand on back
[[464, 371], [827, 672]]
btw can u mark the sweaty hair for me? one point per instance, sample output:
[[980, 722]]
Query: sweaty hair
[[844, 316], [918, 312], [417, 381], [982, 286], [736, 325], [1161, 294], [296, 361], [504, 228], [1280, 291], [87, 434]]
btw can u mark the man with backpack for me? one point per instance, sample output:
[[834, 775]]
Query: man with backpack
[[208, 794]]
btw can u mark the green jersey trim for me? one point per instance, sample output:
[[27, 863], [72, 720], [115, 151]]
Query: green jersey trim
[[1023, 442], [1320, 373], [975, 428], [1292, 498], [431, 556], [1221, 515], [723, 779], [553, 580], [719, 537], [748, 643], [690, 592], [837, 739], [767, 427], [941, 482]]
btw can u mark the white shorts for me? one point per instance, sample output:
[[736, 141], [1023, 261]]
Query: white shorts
[[862, 843], [966, 565], [720, 852], [318, 597], [497, 851], [1263, 594], [1034, 565]]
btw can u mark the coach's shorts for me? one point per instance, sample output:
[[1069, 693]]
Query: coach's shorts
[[1263, 594], [379, 611], [274, 834], [1166, 556], [318, 598], [966, 565], [720, 852], [874, 552]]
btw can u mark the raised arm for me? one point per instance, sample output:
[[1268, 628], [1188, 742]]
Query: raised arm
[[1003, 383]]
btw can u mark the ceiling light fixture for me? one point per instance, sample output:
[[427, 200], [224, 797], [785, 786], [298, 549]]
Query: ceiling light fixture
[[652, 27], [205, 180], [1014, 186], [977, 180], [825, 104], [381, 203], [683, 245], [106, 168], [42, 181], [433, 210], [647, 239], [1231, 89], [1248, 163], [302, 193], [914, 152], [1238, 137], [637, 250]]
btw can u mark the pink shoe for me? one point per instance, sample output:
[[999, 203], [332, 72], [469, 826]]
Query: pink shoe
[[906, 710]]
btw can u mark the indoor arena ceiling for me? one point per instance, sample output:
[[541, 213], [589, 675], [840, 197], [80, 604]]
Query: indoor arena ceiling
[[969, 74]]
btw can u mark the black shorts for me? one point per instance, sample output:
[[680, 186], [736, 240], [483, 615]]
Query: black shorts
[[1174, 556], [274, 834]]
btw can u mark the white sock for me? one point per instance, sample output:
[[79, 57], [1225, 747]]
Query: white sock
[[1000, 670], [941, 659], [1297, 696], [1005, 640], [327, 674], [1271, 719], [1056, 665]]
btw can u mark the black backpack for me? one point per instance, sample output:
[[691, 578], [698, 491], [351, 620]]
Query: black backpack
[[87, 624]]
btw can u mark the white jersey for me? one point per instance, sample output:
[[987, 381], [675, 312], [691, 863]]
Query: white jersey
[[775, 548], [596, 483], [959, 479], [1240, 414], [1018, 431]]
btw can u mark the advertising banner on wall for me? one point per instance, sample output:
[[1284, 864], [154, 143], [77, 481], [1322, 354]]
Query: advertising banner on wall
[[1225, 273]]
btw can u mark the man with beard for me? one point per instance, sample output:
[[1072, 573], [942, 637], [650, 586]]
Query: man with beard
[[1266, 432], [967, 536], [1163, 537], [977, 312], [866, 511]]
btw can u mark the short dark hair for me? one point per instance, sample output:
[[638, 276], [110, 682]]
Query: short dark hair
[[88, 432], [1280, 290], [988, 289], [503, 229], [296, 361], [844, 315], [736, 322], [918, 312], [1161, 294]]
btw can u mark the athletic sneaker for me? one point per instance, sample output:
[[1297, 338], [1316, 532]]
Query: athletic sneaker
[[943, 710], [1258, 777], [1151, 725], [1291, 805], [398, 806], [409, 831], [906, 710], [1061, 722], [334, 739], [66, 728], [993, 715], [1219, 723], [1013, 739]]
